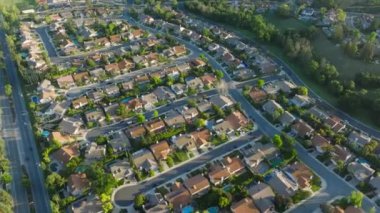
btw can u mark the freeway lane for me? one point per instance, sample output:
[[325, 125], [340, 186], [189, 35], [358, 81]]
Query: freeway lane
[[40, 195], [124, 195], [9, 134]]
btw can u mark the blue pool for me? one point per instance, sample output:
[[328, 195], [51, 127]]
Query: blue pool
[[35, 99], [126, 100]]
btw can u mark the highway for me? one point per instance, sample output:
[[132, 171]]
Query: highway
[[124, 195], [9, 133], [27, 143]]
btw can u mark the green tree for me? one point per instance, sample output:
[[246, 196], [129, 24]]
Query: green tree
[[54, 181], [341, 15], [155, 114], [8, 90], [140, 118], [356, 198], [139, 201], [170, 161], [199, 123], [223, 202], [219, 74], [302, 90], [260, 83], [277, 140]]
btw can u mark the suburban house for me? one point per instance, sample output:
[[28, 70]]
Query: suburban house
[[302, 129], [287, 118], [230, 166], [164, 93], [121, 169], [202, 138], [112, 91], [358, 140], [81, 77], [185, 141], [335, 123], [257, 154], [174, 119], [118, 141], [57, 137], [65, 82], [95, 152], [95, 115], [64, 154], [315, 111], [79, 102], [341, 153], [197, 185], [221, 101], [257, 95], [285, 86], [320, 143], [155, 126], [144, 160], [160, 150], [271, 107], [149, 100], [190, 114], [263, 197], [300, 172], [77, 184], [243, 206], [360, 170], [136, 132], [70, 126], [282, 184], [179, 197], [155, 203], [375, 183], [301, 100], [194, 83], [87, 204]]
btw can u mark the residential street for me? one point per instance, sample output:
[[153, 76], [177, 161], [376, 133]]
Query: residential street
[[27, 142], [124, 195]]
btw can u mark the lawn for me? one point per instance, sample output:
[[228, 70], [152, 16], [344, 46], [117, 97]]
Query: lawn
[[283, 24]]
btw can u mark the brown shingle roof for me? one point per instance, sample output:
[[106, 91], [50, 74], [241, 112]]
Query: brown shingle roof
[[244, 206], [197, 184], [160, 150]]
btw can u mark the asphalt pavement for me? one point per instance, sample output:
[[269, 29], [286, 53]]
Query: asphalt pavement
[[9, 132], [27, 142]]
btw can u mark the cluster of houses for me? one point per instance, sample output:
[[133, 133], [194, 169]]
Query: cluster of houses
[[92, 39], [31, 43], [191, 29], [311, 132], [182, 193]]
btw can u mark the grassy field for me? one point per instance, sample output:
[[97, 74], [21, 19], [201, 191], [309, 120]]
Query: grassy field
[[284, 24], [347, 66]]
